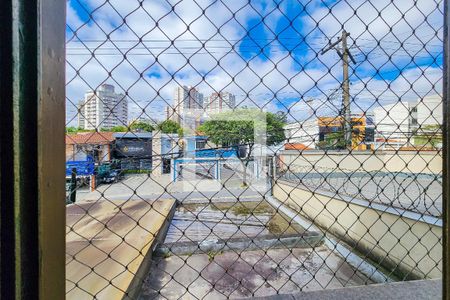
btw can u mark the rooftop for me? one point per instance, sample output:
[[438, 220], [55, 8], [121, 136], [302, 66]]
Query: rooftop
[[97, 138]]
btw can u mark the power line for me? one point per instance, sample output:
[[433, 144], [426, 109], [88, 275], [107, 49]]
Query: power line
[[192, 40]]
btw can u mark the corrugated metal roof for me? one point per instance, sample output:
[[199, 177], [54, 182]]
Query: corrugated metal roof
[[132, 135]]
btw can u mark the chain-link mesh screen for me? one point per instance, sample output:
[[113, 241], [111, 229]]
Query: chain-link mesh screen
[[230, 149]]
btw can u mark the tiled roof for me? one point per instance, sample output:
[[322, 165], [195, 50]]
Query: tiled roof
[[295, 146], [95, 138]]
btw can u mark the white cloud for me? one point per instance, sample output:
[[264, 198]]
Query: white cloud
[[153, 67]]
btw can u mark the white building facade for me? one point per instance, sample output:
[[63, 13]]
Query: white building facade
[[395, 124], [303, 132], [430, 111], [103, 108], [80, 114]]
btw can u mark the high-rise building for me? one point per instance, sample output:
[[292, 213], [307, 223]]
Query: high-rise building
[[219, 102], [103, 108], [185, 98], [147, 120], [80, 114]]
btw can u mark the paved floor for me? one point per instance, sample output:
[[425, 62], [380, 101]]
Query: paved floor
[[145, 187]]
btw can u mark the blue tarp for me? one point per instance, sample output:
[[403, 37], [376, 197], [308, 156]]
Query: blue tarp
[[84, 167], [217, 153]]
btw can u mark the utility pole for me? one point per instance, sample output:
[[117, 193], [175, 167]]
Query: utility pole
[[344, 55]]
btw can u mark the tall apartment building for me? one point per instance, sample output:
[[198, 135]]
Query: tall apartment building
[[218, 102], [185, 98], [103, 108], [80, 114]]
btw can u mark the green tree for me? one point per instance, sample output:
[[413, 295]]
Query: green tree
[[115, 129], [243, 128], [141, 126], [333, 140], [169, 126], [429, 136], [71, 129]]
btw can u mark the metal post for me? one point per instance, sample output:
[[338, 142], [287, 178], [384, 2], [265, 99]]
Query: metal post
[[446, 156], [218, 169], [73, 186], [93, 183]]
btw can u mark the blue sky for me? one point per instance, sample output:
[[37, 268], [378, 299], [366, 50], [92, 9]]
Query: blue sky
[[265, 52]]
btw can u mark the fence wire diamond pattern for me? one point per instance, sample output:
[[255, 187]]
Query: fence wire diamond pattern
[[233, 149]]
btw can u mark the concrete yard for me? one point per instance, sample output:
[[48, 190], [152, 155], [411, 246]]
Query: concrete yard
[[240, 274], [108, 245], [197, 222], [240, 250]]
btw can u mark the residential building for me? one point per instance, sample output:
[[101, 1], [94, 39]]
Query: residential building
[[398, 125], [311, 133], [219, 102], [429, 123], [194, 143], [134, 150], [395, 124], [362, 139], [430, 111], [165, 147], [97, 145], [186, 99], [369, 136], [103, 108], [303, 132]]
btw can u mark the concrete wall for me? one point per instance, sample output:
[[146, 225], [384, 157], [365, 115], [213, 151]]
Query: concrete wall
[[409, 247], [429, 162]]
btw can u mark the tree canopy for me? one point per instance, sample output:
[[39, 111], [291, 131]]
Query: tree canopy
[[141, 126], [333, 141], [72, 129], [244, 126], [169, 126], [115, 129], [429, 136]]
